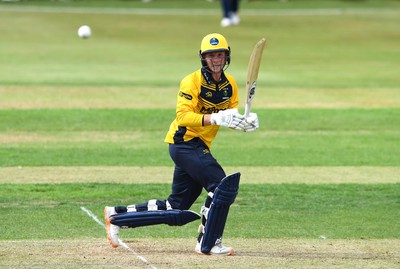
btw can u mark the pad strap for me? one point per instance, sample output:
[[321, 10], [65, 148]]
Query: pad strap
[[152, 205]]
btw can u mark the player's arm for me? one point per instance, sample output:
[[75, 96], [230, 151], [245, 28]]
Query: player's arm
[[234, 100], [229, 117], [186, 109], [187, 117], [187, 100]]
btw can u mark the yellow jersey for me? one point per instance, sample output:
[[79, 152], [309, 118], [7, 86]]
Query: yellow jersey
[[198, 95]]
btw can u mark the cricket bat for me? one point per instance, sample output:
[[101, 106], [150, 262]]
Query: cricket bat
[[252, 74]]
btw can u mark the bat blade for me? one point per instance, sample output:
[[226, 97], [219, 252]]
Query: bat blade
[[252, 74]]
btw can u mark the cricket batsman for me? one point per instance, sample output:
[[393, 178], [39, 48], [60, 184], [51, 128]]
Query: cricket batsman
[[207, 99]]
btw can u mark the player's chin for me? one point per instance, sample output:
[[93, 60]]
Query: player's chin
[[216, 70]]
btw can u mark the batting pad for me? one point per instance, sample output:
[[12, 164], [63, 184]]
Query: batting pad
[[147, 218], [224, 196]]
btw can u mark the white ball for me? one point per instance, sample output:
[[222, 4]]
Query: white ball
[[84, 31]]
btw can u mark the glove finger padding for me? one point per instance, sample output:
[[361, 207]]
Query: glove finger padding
[[251, 123], [229, 118], [238, 122]]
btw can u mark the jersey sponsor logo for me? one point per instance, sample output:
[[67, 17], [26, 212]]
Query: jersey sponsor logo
[[209, 110], [185, 95], [209, 94]]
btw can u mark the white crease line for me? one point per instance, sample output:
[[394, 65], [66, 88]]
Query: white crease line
[[94, 217]]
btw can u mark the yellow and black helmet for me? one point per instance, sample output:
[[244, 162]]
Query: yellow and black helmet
[[214, 43]]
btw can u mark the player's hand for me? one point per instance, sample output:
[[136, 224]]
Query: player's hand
[[229, 118], [251, 123]]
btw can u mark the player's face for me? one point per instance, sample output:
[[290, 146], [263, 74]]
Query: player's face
[[215, 61]]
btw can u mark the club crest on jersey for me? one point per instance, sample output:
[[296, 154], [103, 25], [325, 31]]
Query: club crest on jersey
[[185, 95], [214, 41]]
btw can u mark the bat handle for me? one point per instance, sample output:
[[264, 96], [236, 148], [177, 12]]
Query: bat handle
[[247, 110]]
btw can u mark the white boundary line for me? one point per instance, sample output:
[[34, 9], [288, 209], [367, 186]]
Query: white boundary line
[[203, 12], [94, 217]]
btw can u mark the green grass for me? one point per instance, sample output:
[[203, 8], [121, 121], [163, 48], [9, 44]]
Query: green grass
[[336, 211], [141, 50], [107, 120], [287, 137], [351, 52], [276, 211], [184, 4]]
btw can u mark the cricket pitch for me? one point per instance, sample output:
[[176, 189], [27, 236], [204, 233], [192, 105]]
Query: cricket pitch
[[179, 253]]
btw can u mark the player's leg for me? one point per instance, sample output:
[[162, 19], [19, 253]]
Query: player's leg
[[195, 159], [211, 229], [150, 213], [185, 190], [115, 221], [234, 6], [234, 12], [216, 215], [110, 212], [151, 205], [226, 21], [205, 169]]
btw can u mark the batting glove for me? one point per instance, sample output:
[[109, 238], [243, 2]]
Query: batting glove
[[229, 118], [251, 123]]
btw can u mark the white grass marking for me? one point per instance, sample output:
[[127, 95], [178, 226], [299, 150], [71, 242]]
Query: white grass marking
[[122, 243], [93, 216]]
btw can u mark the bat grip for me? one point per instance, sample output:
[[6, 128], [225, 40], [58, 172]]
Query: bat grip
[[247, 110]]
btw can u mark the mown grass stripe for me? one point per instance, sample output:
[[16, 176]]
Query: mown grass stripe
[[157, 174], [275, 210], [204, 11], [42, 120]]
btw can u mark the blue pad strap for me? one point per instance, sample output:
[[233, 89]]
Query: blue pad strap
[[224, 196], [146, 218]]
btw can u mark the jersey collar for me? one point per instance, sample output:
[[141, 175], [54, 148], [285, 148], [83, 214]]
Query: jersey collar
[[207, 76]]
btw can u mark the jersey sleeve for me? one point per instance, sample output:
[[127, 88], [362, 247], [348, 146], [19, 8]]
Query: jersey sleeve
[[187, 101], [235, 92]]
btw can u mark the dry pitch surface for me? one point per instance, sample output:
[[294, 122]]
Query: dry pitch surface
[[178, 253]]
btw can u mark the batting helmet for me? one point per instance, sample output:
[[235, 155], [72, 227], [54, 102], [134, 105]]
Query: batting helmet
[[214, 43]]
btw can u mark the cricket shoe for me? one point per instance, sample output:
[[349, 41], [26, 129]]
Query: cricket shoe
[[225, 22], [235, 20], [111, 230], [217, 249]]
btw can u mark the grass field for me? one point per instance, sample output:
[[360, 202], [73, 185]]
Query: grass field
[[82, 124]]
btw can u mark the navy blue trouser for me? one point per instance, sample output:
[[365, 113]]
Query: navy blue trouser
[[229, 6], [195, 169]]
